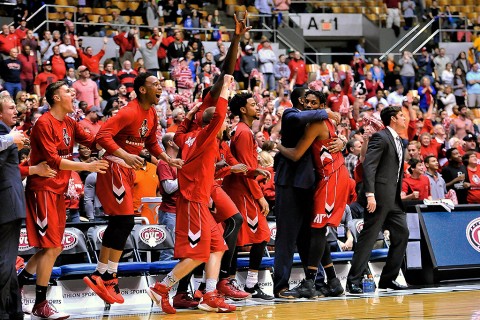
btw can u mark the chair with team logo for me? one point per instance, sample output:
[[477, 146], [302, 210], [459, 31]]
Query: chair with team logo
[[380, 249], [26, 252], [75, 259], [129, 262], [149, 241]]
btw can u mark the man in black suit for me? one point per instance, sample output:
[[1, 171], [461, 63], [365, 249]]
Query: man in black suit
[[294, 183], [12, 211], [382, 182]]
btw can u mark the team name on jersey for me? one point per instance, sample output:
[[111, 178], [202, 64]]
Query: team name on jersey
[[190, 141], [64, 154], [319, 217], [134, 141]]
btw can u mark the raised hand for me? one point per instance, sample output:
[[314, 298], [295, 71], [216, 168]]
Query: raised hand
[[241, 25]]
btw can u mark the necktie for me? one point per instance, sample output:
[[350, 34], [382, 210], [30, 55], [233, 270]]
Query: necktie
[[398, 144], [399, 149]]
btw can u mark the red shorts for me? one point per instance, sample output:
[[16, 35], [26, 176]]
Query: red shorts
[[196, 232], [114, 189], [255, 226], [225, 208], [330, 199], [46, 217]]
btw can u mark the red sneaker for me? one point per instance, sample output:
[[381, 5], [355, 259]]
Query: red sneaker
[[229, 288], [198, 294], [96, 284], [46, 310], [159, 294], [212, 301], [182, 300], [113, 289]]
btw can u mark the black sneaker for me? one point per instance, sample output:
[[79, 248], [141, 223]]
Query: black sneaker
[[288, 294], [306, 289], [258, 293], [336, 288], [322, 290]]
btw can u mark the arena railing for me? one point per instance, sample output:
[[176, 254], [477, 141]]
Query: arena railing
[[73, 10]]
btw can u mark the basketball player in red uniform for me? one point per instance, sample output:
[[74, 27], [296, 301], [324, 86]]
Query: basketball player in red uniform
[[52, 140], [246, 193], [330, 199], [198, 238], [226, 212], [123, 136]]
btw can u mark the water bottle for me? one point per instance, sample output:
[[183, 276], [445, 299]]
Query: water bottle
[[371, 283], [368, 284]]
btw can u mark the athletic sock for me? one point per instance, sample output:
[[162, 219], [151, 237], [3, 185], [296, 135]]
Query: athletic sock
[[211, 285], [311, 274], [40, 294], [23, 277], [101, 268], [169, 280], [112, 267], [252, 279], [330, 272]]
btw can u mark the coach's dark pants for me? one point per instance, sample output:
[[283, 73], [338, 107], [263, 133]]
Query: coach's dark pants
[[10, 297], [293, 211]]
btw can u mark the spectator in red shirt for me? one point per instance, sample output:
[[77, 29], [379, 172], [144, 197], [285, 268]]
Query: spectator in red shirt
[[7, 41], [357, 65], [21, 31], [44, 79], [88, 59], [298, 70], [430, 147], [29, 69], [58, 63], [162, 50], [416, 186], [126, 42], [470, 161]]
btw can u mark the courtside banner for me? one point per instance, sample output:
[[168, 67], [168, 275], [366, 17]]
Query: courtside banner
[[453, 238]]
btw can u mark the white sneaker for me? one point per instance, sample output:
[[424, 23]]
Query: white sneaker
[[46, 310]]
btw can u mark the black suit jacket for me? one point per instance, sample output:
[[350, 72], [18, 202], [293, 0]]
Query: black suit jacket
[[380, 170], [12, 196], [300, 174]]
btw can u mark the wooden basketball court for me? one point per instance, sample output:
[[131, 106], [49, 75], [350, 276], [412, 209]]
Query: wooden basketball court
[[453, 302]]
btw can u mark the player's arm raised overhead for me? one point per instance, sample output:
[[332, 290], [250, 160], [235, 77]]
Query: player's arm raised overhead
[[231, 58]]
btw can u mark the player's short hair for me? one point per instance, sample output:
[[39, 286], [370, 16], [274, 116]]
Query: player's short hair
[[389, 112], [238, 101], [140, 81], [167, 138], [51, 91], [320, 95], [208, 115], [297, 93]]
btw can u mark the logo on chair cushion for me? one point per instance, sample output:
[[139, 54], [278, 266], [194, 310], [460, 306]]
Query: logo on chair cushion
[[359, 226], [100, 233], [69, 241], [273, 232], [152, 236], [23, 244], [473, 234]]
